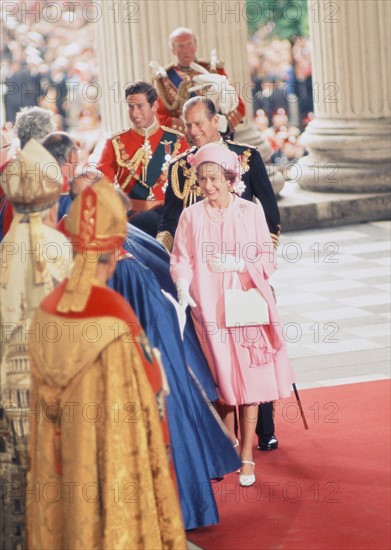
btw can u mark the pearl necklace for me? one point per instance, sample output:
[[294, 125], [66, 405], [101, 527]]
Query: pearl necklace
[[217, 214]]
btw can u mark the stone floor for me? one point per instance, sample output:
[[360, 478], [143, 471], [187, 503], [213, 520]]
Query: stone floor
[[333, 293]]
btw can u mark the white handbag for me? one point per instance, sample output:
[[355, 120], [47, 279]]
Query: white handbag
[[245, 308]]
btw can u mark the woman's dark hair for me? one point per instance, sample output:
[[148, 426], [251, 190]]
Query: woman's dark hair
[[60, 145], [231, 176]]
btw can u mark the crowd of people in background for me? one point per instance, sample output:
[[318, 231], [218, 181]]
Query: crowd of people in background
[[283, 98], [51, 65], [55, 67]]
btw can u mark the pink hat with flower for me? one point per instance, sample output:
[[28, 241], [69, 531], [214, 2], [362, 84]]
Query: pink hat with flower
[[222, 156], [218, 154]]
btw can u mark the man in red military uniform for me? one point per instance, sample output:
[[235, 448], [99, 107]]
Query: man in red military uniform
[[137, 159], [188, 77]]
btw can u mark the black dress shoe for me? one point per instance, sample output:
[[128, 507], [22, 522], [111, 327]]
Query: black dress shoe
[[268, 443]]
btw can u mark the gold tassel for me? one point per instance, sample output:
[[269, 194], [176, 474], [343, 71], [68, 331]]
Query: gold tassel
[[78, 288], [41, 273], [5, 260]]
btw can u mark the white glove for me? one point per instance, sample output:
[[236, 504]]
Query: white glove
[[157, 70], [220, 263], [208, 86], [184, 298], [210, 79], [180, 312], [229, 99], [222, 125], [222, 93]]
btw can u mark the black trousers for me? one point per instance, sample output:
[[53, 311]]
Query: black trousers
[[265, 422]]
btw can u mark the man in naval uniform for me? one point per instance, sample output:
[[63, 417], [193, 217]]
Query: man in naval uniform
[[201, 122], [190, 77], [137, 159]]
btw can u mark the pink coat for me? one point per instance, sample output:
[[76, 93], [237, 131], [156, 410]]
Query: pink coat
[[249, 364]]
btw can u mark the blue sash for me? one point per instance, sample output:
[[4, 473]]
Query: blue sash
[[176, 79]]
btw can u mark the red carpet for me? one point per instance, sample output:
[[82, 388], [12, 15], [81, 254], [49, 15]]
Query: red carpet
[[326, 488]]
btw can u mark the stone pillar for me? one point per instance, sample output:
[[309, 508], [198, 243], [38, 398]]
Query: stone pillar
[[349, 139], [130, 34]]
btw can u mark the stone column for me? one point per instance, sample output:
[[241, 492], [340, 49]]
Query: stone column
[[130, 34], [349, 139]]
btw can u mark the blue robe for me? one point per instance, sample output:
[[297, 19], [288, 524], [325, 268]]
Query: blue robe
[[201, 450], [149, 252]]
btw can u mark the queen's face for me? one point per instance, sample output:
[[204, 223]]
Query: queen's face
[[214, 184]]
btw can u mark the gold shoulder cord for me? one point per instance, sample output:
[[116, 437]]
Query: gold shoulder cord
[[190, 175], [177, 146], [162, 94], [189, 181], [132, 164]]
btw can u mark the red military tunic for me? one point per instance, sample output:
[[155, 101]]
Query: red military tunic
[[138, 160]]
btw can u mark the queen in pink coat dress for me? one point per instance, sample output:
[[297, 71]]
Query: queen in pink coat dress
[[223, 242]]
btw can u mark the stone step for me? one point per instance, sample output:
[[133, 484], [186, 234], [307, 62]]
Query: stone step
[[302, 209]]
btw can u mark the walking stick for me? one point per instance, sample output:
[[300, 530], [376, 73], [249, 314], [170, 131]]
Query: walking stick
[[300, 406]]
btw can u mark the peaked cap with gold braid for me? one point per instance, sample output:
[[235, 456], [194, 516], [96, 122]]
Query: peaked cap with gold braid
[[96, 224], [32, 181]]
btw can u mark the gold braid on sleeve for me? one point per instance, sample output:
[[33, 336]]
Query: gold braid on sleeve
[[166, 239]]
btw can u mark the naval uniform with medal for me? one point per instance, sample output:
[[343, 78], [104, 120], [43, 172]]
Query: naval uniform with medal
[[137, 160]]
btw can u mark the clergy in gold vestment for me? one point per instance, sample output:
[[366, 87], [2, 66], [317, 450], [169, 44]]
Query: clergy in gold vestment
[[99, 475], [34, 258]]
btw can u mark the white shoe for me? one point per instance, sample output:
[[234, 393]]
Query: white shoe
[[247, 480]]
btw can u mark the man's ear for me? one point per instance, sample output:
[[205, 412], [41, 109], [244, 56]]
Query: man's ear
[[216, 120], [155, 106]]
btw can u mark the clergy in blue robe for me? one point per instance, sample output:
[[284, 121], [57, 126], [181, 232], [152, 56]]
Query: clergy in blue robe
[[201, 449]]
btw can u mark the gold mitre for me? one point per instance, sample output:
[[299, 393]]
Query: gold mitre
[[32, 180], [97, 219], [96, 224]]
